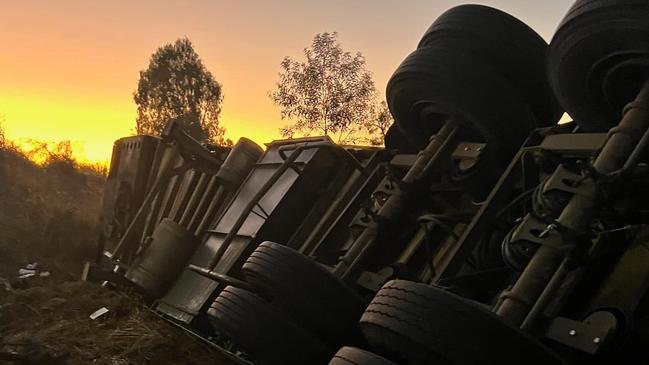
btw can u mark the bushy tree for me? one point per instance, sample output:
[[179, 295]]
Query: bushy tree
[[177, 86], [378, 124], [50, 152], [329, 93]]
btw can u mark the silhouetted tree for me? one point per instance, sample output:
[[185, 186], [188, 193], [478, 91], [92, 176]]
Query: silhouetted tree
[[3, 136], [378, 123], [177, 86], [50, 152], [331, 92]]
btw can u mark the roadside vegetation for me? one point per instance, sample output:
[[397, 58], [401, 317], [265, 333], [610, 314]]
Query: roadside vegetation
[[49, 203], [48, 206]]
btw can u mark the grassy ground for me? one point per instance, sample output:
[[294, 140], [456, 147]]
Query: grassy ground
[[47, 215]]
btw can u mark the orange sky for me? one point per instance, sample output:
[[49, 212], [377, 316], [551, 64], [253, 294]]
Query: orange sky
[[68, 68]]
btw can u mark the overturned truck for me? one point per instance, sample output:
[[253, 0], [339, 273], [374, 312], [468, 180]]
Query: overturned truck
[[484, 232]]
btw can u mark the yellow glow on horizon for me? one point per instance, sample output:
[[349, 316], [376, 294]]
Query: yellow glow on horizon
[[92, 125], [89, 124]]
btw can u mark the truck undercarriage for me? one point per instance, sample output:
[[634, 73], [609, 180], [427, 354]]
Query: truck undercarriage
[[484, 232]]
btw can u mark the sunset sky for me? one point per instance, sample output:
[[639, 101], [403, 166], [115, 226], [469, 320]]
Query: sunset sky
[[68, 68]]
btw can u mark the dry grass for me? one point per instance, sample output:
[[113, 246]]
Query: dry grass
[[129, 333], [47, 213]]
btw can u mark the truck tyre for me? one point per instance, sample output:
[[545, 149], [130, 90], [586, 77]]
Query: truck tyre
[[424, 324], [599, 59], [307, 292], [481, 68], [262, 331], [396, 140], [514, 49], [355, 356]]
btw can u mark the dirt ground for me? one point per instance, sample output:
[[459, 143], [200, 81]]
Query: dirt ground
[[47, 215], [50, 324]]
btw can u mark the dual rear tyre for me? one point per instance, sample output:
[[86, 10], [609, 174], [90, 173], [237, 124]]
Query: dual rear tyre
[[481, 68], [599, 60], [307, 292]]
